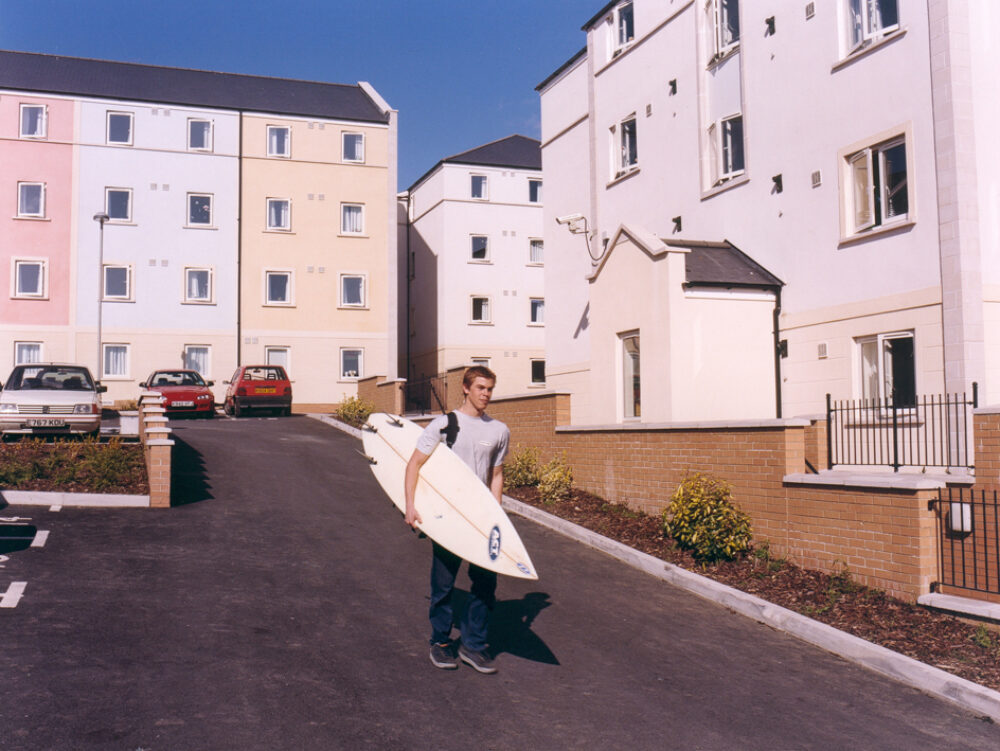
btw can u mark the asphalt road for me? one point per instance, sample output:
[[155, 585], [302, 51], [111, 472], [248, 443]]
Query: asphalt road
[[281, 604]]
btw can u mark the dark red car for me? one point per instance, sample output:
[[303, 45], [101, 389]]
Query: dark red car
[[258, 387], [185, 392]]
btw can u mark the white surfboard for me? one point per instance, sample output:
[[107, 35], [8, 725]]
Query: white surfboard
[[458, 511]]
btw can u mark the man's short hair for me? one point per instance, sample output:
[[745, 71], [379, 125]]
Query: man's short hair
[[477, 371]]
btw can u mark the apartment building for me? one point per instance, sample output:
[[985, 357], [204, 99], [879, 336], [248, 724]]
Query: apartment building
[[472, 230], [841, 147], [154, 205]]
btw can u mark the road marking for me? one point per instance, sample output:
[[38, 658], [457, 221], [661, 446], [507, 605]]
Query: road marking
[[13, 519], [13, 595], [55, 507], [41, 537]]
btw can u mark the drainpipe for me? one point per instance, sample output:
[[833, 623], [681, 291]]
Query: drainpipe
[[777, 352], [239, 245], [409, 284]]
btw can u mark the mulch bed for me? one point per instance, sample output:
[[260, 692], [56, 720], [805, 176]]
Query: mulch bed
[[73, 466], [966, 650]]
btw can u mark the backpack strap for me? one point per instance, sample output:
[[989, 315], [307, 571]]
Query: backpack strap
[[451, 430]]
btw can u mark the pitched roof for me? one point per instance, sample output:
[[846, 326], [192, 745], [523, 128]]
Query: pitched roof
[[56, 74], [723, 265], [513, 152]]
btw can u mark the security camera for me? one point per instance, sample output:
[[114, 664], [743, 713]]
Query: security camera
[[568, 218]]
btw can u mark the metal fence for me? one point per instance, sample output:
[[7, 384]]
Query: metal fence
[[969, 555], [428, 394], [926, 431]]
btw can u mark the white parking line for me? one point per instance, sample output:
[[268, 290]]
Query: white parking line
[[41, 537], [13, 595], [55, 507]]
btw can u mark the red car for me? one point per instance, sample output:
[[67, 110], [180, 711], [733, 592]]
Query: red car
[[258, 387], [185, 392]]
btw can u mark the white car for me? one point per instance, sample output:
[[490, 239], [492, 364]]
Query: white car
[[50, 399]]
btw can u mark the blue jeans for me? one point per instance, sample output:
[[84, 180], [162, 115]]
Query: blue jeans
[[482, 596]]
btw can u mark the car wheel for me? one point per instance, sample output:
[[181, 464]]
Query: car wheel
[[211, 413], [237, 409], [227, 408], [287, 411]]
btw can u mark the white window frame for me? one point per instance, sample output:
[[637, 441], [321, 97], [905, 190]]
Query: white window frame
[[343, 218], [472, 249], [107, 205], [268, 350], [209, 137], [268, 302], [862, 27], [364, 290], [624, 156], [105, 376], [485, 193], [127, 297], [287, 153], [187, 287], [532, 307], [483, 361], [44, 121], [21, 213], [720, 42], [287, 227], [869, 163], [721, 141], [882, 379], [626, 405], [343, 147], [531, 371], [532, 182], [211, 211], [618, 31], [43, 278], [131, 128], [361, 363], [208, 359], [17, 352], [532, 242], [488, 320]]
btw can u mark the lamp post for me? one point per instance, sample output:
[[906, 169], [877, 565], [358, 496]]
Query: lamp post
[[100, 219]]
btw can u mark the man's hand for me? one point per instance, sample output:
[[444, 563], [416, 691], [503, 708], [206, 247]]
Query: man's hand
[[412, 517], [410, 486]]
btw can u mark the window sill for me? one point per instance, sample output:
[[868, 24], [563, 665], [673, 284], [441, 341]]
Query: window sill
[[279, 305], [719, 58], [211, 227], [882, 231], [120, 223], [118, 299], [727, 185], [536, 385], [634, 170], [115, 143], [272, 231], [536, 325], [279, 156], [29, 297], [198, 302], [200, 151], [18, 217], [116, 378], [360, 235], [476, 262], [352, 307], [535, 265], [480, 323], [352, 161], [24, 137], [865, 51]]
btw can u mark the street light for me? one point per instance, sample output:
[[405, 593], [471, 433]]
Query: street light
[[100, 219]]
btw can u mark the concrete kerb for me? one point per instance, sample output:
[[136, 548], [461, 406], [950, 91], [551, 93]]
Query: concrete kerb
[[934, 681], [333, 421], [79, 500]]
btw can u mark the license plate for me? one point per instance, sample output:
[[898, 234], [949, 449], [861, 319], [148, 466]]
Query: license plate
[[182, 404], [265, 391], [45, 422]]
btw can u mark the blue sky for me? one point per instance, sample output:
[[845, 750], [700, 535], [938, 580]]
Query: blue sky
[[460, 72]]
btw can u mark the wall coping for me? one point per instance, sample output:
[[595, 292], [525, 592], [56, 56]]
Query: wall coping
[[888, 481], [763, 424], [389, 381], [528, 395], [159, 442], [993, 409]]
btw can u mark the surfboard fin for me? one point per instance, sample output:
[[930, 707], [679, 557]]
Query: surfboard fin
[[368, 459], [394, 421], [368, 426]]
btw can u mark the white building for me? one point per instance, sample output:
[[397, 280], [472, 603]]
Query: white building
[[843, 146], [476, 261]]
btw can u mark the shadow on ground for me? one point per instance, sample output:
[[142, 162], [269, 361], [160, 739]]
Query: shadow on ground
[[188, 480], [15, 537]]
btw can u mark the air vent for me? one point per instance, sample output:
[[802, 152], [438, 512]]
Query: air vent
[[649, 110], [309, 269], [817, 179], [152, 186], [821, 350], [810, 10], [164, 262]]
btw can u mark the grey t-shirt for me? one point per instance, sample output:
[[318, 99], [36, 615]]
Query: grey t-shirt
[[482, 442]]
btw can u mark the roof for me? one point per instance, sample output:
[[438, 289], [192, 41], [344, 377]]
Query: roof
[[722, 265], [56, 74], [552, 76], [596, 17], [512, 152]]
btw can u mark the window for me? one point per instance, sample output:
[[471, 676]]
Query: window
[[352, 219], [481, 361], [279, 141], [537, 311], [726, 137], [120, 128], [622, 28], [29, 279], [723, 24], [538, 372], [352, 290], [199, 210], [536, 252], [118, 204], [31, 200], [117, 282], [197, 285], [196, 357], [351, 363], [888, 368], [627, 146], [200, 135], [869, 21], [276, 356], [115, 361], [481, 310], [878, 185], [27, 352], [480, 187], [279, 214], [33, 121], [278, 287], [630, 376], [534, 191], [354, 147], [480, 248]]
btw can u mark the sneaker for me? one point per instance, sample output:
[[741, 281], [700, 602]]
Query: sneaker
[[478, 660], [443, 656]]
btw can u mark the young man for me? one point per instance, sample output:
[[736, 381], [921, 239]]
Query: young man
[[482, 444]]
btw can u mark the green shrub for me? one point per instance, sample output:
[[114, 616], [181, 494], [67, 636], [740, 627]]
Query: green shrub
[[522, 468], [702, 518], [104, 466], [556, 480], [354, 411]]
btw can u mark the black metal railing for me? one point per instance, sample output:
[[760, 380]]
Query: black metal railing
[[969, 553], [427, 394], [923, 431]]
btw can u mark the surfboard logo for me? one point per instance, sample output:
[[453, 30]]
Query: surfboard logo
[[523, 569], [494, 543]]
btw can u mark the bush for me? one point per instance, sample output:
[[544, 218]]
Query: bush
[[522, 468], [556, 480], [702, 518], [354, 411]]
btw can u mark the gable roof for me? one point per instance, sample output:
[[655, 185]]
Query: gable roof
[[77, 76], [512, 152]]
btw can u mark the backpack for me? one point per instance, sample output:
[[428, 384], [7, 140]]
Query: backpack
[[451, 430]]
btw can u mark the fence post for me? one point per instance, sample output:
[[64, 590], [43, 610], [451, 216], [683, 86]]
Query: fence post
[[895, 434], [829, 434]]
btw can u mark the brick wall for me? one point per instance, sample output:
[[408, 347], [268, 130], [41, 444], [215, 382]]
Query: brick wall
[[157, 448], [387, 396]]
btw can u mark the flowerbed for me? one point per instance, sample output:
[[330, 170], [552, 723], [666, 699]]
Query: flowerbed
[[85, 466]]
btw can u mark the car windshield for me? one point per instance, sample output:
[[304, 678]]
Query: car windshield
[[176, 378], [265, 373], [50, 378]]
